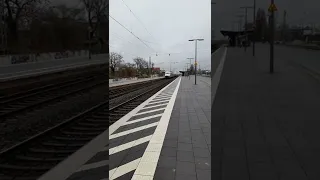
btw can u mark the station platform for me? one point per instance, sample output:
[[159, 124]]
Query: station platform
[[16, 71], [130, 81], [169, 132], [265, 126]]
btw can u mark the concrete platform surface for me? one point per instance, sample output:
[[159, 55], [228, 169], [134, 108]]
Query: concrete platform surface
[[265, 126], [186, 151]]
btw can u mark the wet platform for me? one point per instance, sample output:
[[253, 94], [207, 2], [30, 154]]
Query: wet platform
[[266, 126], [186, 151]]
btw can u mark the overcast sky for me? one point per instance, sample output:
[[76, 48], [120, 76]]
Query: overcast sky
[[298, 12], [167, 27]]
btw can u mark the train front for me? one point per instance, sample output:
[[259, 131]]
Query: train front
[[167, 74]]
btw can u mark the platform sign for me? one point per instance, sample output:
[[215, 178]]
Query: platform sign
[[272, 8]]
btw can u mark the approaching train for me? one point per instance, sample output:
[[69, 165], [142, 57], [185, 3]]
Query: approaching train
[[168, 74]]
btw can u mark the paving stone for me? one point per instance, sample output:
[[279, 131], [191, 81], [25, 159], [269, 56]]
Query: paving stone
[[203, 174], [186, 156], [164, 174], [167, 162], [186, 168], [184, 147], [185, 133]]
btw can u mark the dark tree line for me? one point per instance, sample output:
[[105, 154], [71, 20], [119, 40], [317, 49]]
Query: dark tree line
[[39, 26], [140, 68]]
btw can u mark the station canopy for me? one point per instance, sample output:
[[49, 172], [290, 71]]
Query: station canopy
[[235, 33]]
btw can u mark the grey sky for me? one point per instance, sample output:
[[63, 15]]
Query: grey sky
[[170, 22], [298, 12]]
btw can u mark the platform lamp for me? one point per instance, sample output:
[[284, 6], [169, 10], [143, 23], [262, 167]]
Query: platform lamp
[[195, 59]]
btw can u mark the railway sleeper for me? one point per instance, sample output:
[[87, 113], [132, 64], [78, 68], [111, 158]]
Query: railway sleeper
[[72, 138], [121, 111], [126, 109], [80, 133], [113, 114], [97, 116], [104, 112], [97, 120], [50, 151], [64, 145], [92, 124], [40, 159], [116, 117], [81, 128], [23, 168], [14, 177]]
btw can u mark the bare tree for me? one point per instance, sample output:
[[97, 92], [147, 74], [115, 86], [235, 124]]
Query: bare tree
[[64, 12], [19, 13], [58, 28], [142, 65], [115, 59], [96, 13], [140, 62]]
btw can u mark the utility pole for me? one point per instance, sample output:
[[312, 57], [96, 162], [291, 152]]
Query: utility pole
[[150, 66], [89, 32], [195, 59], [254, 29], [190, 66], [245, 29], [271, 9], [3, 28], [245, 25], [284, 26]]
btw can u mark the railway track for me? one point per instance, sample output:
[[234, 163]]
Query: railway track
[[26, 84], [13, 104], [21, 102], [46, 87], [31, 158], [121, 90]]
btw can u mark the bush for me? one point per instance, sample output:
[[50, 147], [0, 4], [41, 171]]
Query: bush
[[143, 76]]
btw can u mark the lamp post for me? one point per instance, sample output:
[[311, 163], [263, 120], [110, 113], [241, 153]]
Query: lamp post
[[271, 38], [254, 28], [245, 24], [195, 59], [89, 33]]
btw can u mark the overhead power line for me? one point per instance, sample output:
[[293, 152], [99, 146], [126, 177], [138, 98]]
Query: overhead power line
[[138, 19], [131, 33], [121, 38], [149, 42]]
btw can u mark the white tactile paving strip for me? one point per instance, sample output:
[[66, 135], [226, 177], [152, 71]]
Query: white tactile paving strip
[[134, 142], [153, 115]]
